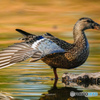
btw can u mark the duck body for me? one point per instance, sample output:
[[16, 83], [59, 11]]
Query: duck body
[[53, 51], [75, 55]]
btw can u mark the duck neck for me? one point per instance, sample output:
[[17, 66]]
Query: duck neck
[[80, 37]]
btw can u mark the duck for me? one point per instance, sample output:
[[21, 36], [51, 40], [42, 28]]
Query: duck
[[51, 50]]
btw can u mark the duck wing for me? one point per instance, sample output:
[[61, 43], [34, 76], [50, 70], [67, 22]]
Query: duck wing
[[17, 53], [31, 37], [46, 46], [22, 51], [63, 44]]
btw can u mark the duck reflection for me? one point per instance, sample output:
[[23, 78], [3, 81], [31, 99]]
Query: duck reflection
[[62, 93]]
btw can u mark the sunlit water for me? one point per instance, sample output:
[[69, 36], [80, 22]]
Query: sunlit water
[[32, 81]]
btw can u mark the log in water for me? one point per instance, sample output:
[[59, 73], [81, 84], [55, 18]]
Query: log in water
[[84, 79]]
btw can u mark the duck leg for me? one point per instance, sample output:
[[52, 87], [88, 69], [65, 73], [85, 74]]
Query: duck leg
[[55, 73]]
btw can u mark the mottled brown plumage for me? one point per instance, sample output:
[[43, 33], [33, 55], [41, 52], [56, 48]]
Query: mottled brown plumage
[[76, 54]]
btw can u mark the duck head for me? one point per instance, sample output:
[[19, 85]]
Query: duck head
[[86, 23]]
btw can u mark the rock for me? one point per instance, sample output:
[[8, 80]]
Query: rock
[[84, 79]]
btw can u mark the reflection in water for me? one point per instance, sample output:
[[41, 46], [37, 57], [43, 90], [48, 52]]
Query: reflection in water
[[62, 94]]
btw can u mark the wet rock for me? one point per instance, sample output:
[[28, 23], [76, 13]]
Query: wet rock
[[84, 79]]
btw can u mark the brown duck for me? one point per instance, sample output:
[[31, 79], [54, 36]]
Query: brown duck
[[53, 51]]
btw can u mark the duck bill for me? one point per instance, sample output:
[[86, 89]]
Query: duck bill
[[96, 26]]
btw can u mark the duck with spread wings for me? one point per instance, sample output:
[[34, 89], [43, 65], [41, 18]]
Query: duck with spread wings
[[53, 51]]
